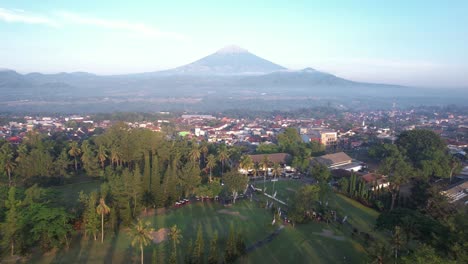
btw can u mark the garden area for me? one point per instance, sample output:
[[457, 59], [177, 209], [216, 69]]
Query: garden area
[[315, 242]]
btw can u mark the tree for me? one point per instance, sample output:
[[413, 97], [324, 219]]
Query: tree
[[199, 248], [147, 173], [277, 169], [425, 254], [115, 156], [396, 241], [204, 149], [320, 172], [210, 163], [62, 163], [304, 202], [7, 161], [265, 163], [175, 235], [102, 155], [50, 226], [223, 156], [141, 236], [102, 209], [235, 182], [213, 257], [398, 170], [11, 228], [75, 151], [289, 139], [195, 153], [156, 189], [231, 254], [378, 253], [246, 163], [90, 216], [426, 151]]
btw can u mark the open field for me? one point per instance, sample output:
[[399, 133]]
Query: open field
[[309, 243], [285, 189]]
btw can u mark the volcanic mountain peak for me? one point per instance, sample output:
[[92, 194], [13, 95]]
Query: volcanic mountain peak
[[232, 49]]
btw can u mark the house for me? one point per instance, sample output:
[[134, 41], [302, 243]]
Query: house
[[339, 160], [375, 181], [280, 158], [456, 192]]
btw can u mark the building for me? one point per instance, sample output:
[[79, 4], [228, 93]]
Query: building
[[339, 160], [325, 137], [280, 158], [375, 181], [456, 192]]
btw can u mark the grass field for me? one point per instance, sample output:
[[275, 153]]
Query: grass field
[[284, 189], [302, 244]]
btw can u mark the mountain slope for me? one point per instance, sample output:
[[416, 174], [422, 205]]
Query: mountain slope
[[230, 60]]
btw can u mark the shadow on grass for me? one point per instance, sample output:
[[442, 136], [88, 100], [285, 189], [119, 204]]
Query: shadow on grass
[[111, 250]]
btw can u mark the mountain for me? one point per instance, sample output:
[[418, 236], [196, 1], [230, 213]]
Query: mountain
[[232, 77], [230, 60]]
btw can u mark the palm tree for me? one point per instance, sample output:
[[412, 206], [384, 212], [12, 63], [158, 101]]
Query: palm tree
[[141, 234], [74, 151], [210, 163], [265, 162], [175, 235], [204, 149], [256, 169], [7, 161], [246, 163], [102, 155], [223, 155], [102, 209], [277, 169], [195, 153]]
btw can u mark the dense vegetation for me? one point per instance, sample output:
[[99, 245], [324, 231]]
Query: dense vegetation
[[138, 170]]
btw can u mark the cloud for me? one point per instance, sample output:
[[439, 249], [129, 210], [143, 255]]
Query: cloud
[[20, 16], [138, 28], [60, 19]]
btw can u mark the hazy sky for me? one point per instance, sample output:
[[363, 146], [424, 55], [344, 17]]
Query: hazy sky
[[421, 43]]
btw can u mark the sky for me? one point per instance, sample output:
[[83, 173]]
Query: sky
[[417, 43]]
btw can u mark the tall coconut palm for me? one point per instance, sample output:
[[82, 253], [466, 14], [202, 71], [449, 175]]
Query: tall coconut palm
[[265, 163], [210, 163], [204, 149], [102, 155], [277, 169], [223, 156], [141, 236], [102, 209], [246, 163], [256, 169], [6, 156], [75, 151], [195, 153], [176, 235]]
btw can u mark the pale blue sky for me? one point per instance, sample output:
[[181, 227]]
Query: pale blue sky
[[421, 43]]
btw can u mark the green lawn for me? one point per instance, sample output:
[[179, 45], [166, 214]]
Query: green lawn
[[68, 194], [302, 244], [284, 189]]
